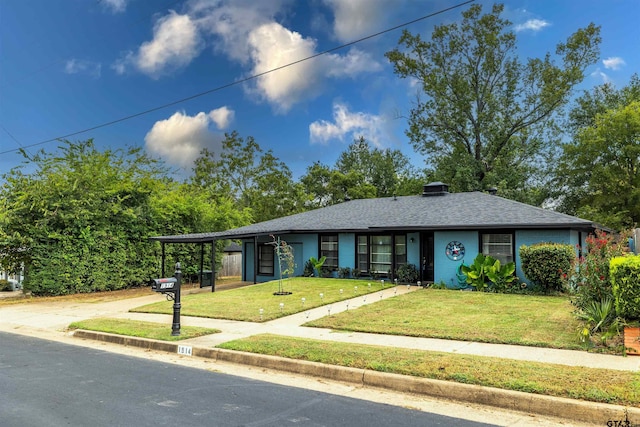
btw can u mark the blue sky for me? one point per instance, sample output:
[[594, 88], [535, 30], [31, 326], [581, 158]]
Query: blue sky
[[69, 65]]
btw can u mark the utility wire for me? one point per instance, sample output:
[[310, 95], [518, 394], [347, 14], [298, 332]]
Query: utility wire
[[243, 80]]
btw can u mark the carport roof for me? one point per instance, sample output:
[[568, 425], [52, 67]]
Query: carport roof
[[449, 211]]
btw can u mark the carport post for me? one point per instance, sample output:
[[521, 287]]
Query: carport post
[[213, 266], [201, 263], [162, 264]]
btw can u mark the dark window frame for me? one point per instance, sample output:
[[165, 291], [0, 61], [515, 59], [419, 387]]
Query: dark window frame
[[396, 259], [263, 268], [331, 254]]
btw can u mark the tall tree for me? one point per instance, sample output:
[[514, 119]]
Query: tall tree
[[487, 119], [389, 171], [603, 162], [572, 190], [254, 178]]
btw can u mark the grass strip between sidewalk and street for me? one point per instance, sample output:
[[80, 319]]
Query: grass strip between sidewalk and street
[[141, 329], [590, 384]]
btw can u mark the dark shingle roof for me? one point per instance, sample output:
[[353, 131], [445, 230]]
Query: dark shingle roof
[[452, 211]]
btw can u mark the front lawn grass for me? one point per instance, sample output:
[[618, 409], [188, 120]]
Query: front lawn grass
[[142, 329], [597, 385], [245, 303], [543, 321]]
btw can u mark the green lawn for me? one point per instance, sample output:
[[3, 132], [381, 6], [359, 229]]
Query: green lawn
[[245, 303], [136, 328], [543, 321], [597, 385]]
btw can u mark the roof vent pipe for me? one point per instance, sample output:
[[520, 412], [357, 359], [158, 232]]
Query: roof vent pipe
[[493, 191]]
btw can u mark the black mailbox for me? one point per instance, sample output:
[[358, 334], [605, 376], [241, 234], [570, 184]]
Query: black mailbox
[[168, 284], [170, 287]]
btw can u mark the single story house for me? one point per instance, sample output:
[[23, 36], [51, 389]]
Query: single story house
[[436, 232]]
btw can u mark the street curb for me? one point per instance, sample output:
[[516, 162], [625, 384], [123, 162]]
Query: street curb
[[569, 409]]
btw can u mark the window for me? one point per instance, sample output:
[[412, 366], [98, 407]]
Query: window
[[329, 248], [265, 259], [499, 246], [363, 254], [380, 255], [401, 250]]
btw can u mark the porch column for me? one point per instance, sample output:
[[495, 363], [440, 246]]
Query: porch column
[[255, 259]]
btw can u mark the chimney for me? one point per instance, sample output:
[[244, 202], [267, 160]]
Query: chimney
[[435, 189]]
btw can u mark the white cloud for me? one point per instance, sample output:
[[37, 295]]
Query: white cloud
[[534, 25], [357, 18], [613, 63], [246, 32], [232, 22], [222, 117], [176, 42], [598, 74], [346, 123], [180, 138], [80, 66], [352, 64], [116, 6], [273, 46]]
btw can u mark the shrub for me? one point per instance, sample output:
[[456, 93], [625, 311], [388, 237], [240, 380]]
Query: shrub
[[625, 284], [407, 273], [545, 263], [589, 274], [5, 286], [486, 272], [308, 269], [344, 272]]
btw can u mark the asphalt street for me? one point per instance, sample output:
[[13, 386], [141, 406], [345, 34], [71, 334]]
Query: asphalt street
[[54, 384]]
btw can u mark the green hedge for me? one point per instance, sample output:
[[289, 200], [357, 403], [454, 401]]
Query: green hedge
[[624, 273], [544, 263]]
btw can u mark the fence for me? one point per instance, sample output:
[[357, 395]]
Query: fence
[[231, 265]]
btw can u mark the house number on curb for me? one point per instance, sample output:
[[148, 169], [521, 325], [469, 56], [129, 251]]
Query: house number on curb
[[455, 250], [184, 350]]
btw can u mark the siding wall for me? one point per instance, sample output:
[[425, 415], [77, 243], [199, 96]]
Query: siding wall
[[445, 269], [306, 246]]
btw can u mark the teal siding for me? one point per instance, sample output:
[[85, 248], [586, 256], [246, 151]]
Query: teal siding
[[347, 250], [444, 268], [305, 246], [413, 249]]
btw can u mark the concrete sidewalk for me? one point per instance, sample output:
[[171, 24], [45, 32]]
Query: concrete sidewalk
[[50, 320]]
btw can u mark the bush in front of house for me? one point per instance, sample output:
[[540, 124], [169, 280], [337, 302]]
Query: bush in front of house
[[545, 263], [407, 273], [624, 273]]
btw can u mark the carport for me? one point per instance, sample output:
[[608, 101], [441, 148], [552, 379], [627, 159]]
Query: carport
[[203, 239]]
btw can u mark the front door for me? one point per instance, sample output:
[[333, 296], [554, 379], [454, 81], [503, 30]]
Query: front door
[[426, 264]]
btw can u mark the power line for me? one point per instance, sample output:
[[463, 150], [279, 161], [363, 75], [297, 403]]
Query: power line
[[243, 80]]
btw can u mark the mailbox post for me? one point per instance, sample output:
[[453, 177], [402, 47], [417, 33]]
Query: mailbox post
[[170, 286]]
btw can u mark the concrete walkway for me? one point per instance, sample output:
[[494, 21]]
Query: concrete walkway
[[52, 318]]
